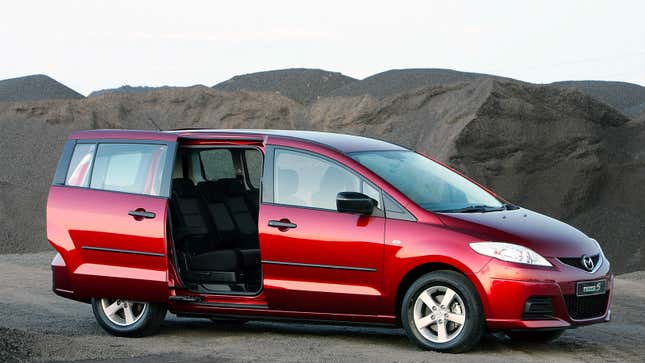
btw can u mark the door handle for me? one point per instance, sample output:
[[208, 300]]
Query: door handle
[[139, 214], [282, 225]]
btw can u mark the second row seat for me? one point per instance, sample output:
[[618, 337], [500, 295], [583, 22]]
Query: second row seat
[[207, 231]]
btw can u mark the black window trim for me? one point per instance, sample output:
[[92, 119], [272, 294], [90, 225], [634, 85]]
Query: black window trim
[[403, 216], [246, 169], [166, 175], [63, 163], [267, 179]]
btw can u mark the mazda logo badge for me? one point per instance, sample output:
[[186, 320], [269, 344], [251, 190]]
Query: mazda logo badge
[[587, 262]]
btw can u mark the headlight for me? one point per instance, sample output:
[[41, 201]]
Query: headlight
[[509, 252]]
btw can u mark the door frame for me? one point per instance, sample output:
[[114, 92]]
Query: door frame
[[267, 200], [196, 143]]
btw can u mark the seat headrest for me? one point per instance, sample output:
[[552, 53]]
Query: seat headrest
[[287, 181], [211, 191], [232, 187], [183, 187]]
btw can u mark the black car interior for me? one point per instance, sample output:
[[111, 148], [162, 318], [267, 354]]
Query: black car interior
[[214, 220]]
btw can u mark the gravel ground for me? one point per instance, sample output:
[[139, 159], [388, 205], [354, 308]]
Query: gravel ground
[[36, 325]]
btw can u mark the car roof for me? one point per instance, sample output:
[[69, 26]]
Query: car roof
[[341, 142]]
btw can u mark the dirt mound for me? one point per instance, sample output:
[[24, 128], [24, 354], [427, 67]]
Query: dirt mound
[[626, 97], [300, 84], [126, 89], [637, 111], [36, 87], [396, 81], [557, 151]]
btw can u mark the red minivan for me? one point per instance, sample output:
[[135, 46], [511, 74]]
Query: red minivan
[[237, 225]]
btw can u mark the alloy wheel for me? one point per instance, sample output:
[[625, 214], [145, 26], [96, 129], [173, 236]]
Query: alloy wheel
[[123, 312], [439, 314]]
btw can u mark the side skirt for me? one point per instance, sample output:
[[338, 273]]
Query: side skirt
[[291, 319]]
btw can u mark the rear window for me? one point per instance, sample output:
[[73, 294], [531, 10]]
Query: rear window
[[217, 164]]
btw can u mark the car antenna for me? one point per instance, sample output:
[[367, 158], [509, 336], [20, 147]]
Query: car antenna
[[154, 123]]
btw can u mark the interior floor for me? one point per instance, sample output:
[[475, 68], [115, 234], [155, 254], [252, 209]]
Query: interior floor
[[214, 214]]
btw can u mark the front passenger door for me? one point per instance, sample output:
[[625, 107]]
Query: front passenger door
[[315, 258]]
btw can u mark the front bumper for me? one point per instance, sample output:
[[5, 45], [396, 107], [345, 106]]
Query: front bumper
[[507, 288]]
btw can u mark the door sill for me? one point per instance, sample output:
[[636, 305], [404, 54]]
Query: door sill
[[202, 290]]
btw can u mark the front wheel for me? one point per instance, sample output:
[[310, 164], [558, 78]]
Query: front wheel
[[128, 318], [441, 311]]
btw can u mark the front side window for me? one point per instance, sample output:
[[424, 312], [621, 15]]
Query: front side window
[[427, 183], [78, 172], [130, 168], [301, 179]]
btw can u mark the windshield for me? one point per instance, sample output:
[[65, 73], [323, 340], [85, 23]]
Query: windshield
[[427, 183]]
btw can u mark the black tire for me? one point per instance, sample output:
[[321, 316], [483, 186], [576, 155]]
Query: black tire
[[473, 327], [225, 321], [535, 336], [148, 324]]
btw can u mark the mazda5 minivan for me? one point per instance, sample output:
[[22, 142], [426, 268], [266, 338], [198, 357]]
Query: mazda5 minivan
[[237, 225]]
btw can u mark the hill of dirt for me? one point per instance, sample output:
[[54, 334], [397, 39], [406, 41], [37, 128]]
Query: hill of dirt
[[637, 111], [396, 81], [125, 89], [35, 87], [629, 98], [300, 84], [557, 151]]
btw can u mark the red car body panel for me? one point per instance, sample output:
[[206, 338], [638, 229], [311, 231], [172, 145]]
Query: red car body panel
[[308, 288], [301, 278], [83, 225]]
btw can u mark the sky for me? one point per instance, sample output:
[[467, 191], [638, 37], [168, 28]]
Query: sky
[[91, 45]]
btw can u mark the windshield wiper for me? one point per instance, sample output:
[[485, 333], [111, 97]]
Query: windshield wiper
[[510, 206], [480, 208]]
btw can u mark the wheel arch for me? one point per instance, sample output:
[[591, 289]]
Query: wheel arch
[[419, 270]]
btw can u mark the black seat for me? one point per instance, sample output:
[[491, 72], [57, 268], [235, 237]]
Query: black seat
[[233, 219], [253, 202], [287, 187], [215, 198], [237, 203], [201, 249]]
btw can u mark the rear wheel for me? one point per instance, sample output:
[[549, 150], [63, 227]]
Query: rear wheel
[[441, 311], [535, 336], [128, 318]]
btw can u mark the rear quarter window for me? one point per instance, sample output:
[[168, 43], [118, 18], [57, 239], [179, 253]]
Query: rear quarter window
[[80, 165]]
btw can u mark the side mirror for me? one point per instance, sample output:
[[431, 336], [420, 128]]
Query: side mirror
[[356, 203]]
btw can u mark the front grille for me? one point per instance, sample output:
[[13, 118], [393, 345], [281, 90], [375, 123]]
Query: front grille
[[577, 261], [586, 307], [538, 308]]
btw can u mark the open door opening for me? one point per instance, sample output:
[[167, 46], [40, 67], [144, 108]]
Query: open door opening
[[214, 209]]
